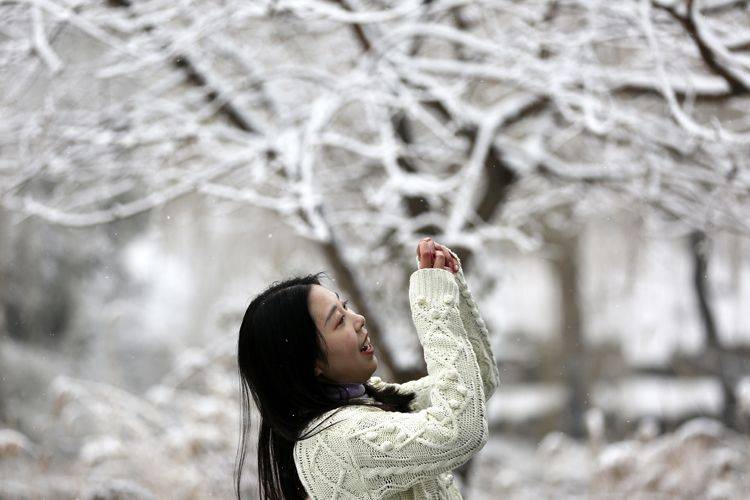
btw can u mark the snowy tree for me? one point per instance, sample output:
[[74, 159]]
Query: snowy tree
[[368, 124]]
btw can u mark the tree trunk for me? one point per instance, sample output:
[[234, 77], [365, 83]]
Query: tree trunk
[[3, 286], [700, 248], [575, 365]]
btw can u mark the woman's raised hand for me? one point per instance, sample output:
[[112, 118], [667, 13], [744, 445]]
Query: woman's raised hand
[[435, 255]]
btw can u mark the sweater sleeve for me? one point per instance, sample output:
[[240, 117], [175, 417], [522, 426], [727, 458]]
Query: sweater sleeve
[[421, 388], [478, 335], [392, 451]]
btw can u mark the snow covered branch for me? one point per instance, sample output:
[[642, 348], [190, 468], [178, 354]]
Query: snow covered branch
[[307, 107]]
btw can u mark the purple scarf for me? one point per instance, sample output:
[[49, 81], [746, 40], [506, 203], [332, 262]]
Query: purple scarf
[[343, 392]]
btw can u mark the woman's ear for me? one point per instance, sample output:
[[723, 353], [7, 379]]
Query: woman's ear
[[318, 369]]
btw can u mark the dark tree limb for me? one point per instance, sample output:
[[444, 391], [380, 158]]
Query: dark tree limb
[[575, 355], [719, 361], [707, 54]]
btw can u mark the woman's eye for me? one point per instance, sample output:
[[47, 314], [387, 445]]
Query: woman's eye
[[342, 317]]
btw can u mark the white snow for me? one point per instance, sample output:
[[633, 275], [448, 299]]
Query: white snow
[[521, 403], [100, 449], [13, 443], [663, 397]]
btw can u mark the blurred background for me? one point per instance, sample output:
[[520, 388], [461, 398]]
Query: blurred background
[[162, 162]]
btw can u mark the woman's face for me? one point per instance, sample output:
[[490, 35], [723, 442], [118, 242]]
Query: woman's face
[[344, 333]]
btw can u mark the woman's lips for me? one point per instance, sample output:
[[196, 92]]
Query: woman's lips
[[370, 350]]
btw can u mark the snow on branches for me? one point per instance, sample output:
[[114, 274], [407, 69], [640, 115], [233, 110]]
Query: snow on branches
[[390, 117]]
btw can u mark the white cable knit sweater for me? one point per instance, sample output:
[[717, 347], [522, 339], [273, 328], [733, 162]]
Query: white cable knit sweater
[[374, 454]]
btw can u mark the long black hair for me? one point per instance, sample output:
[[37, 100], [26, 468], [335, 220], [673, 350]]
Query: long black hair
[[276, 353]]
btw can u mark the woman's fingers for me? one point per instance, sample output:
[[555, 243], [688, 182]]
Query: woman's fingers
[[422, 244], [439, 259], [450, 262], [443, 263], [448, 257], [428, 252], [424, 254]]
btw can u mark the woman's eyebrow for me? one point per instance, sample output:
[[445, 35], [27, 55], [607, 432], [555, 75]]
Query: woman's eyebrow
[[333, 310]]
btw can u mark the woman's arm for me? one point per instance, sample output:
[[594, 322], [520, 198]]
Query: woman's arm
[[478, 335], [391, 451], [476, 329]]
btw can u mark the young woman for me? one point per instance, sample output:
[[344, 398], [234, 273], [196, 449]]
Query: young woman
[[305, 357]]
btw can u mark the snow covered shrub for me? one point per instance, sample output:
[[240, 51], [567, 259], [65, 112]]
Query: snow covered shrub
[[702, 459]]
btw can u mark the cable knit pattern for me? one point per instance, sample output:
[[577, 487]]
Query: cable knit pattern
[[478, 335], [374, 454]]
